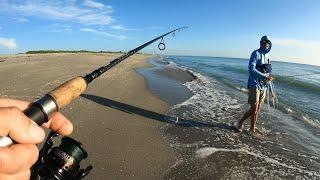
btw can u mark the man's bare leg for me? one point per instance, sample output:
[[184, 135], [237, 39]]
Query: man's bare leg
[[261, 101], [254, 117], [249, 113], [244, 117]]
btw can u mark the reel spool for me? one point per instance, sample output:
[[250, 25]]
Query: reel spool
[[62, 162]]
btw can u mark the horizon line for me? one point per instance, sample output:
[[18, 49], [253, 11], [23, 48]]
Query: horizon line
[[105, 51]]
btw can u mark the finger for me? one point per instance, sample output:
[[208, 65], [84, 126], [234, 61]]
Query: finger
[[57, 123], [17, 158], [19, 127], [25, 175], [22, 105], [60, 124]]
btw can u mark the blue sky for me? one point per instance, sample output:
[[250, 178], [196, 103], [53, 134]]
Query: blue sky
[[216, 27]]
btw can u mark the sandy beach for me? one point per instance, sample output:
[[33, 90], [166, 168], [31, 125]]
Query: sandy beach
[[110, 118]]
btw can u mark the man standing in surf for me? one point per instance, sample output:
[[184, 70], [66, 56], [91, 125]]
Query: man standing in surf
[[259, 69]]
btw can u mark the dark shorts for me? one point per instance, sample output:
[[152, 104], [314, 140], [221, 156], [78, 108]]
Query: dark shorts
[[256, 95]]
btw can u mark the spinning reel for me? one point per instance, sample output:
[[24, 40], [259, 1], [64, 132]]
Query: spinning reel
[[62, 162]]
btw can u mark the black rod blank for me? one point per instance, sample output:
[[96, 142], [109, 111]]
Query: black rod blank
[[96, 73]]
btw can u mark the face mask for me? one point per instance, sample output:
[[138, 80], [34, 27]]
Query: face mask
[[265, 51]]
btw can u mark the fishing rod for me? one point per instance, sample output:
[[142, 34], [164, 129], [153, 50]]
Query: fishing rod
[[42, 110]]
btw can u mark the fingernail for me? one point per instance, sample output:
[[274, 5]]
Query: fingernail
[[36, 132], [67, 129]]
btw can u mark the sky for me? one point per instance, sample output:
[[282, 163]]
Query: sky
[[220, 28]]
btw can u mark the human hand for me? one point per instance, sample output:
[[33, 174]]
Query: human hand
[[270, 78], [16, 160]]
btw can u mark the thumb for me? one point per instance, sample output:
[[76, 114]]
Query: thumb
[[19, 127]]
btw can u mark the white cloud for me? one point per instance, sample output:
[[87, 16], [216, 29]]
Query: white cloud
[[8, 43], [298, 51], [154, 27], [20, 19], [309, 45], [60, 10], [123, 28], [60, 28], [94, 4], [103, 33]]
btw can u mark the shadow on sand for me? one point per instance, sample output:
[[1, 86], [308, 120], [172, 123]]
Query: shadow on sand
[[153, 115]]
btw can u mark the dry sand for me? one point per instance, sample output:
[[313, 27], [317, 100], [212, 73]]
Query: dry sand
[[120, 144]]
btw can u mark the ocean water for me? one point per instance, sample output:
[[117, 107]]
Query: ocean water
[[208, 148]]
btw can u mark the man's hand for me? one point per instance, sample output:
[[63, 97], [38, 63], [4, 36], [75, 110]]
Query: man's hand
[[16, 160], [269, 78]]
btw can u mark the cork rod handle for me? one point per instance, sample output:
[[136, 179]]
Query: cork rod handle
[[68, 91]]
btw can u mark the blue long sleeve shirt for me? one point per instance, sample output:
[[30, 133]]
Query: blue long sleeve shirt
[[256, 78]]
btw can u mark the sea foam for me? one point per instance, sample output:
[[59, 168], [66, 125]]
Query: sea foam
[[207, 151]]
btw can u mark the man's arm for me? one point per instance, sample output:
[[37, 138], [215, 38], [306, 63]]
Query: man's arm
[[252, 67]]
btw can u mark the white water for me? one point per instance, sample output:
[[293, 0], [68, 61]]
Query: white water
[[207, 151]]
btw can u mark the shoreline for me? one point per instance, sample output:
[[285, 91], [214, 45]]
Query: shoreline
[[166, 83], [210, 149], [111, 119]]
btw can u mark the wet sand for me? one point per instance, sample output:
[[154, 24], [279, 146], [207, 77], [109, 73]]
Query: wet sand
[[110, 118], [177, 74], [166, 82]]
